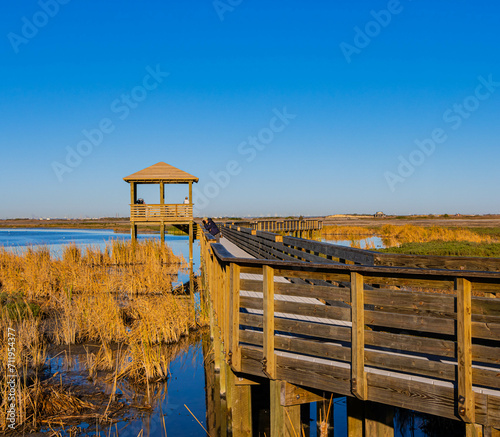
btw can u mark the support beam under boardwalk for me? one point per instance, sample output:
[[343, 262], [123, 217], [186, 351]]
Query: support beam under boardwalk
[[369, 419], [239, 405], [285, 421]]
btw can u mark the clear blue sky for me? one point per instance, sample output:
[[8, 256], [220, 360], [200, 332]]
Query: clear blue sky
[[355, 84]]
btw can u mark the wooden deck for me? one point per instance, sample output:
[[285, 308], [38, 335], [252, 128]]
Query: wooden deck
[[421, 339], [268, 245], [170, 213], [280, 225]]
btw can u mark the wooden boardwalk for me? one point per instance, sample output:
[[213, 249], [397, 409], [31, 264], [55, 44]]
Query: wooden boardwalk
[[282, 225], [422, 339]]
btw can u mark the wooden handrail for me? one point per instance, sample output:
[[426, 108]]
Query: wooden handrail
[[155, 212], [309, 250], [365, 342], [222, 254]]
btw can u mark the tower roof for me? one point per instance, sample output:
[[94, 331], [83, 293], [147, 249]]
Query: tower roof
[[161, 172]]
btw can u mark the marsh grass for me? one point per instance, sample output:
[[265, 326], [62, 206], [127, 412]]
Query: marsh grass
[[448, 248], [420, 234], [121, 295], [121, 267], [396, 235]]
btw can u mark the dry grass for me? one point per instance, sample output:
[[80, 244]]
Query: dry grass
[[420, 234], [121, 267], [393, 235], [346, 231], [121, 294]]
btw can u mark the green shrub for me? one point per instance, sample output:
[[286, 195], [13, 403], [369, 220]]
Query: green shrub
[[16, 307]]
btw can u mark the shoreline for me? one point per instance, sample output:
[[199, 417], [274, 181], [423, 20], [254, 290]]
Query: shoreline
[[122, 224], [118, 226]]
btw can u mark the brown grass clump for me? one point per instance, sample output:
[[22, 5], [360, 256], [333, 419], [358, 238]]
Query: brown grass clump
[[410, 234], [393, 235], [29, 355], [161, 319], [121, 267], [346, 231], [56, 400], [119, 295]]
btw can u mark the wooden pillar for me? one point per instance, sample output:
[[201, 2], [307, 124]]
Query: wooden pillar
[[234, 308], [190, 241], [190, 193], [379, 420], [162, 193], [162, 232], [285, 421], [466, 404], [133, 193], [214, 292], [221, 323], [473, 430], [269, 358], [226, 291], [358, 376], [133, 199], [239, 406], [355, 417]]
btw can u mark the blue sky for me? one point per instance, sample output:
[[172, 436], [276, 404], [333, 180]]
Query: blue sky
[[315, 107]]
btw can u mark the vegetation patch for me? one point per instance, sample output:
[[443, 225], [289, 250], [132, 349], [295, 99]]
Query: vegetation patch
[[447, 248], [15, 307], [396, 235], [120, 295]]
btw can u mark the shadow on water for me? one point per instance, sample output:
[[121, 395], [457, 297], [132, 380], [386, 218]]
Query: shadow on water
[[124, 408], [406, 423], [160, 408]]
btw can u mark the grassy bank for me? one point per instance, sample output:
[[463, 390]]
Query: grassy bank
[[447, 248], [117, 225], [428, 240], [121, 295]]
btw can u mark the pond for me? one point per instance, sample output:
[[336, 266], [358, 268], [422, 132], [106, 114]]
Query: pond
[[56, 239], [163, 409], [149, 411], [370, 243]]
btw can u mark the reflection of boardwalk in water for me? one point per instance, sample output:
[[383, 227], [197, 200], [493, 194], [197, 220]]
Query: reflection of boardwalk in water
[[308, 323]]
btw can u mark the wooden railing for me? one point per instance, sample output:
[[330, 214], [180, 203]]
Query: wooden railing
[[280, 225], [421, 339], [168, 212], [269, 245], [287, 225]]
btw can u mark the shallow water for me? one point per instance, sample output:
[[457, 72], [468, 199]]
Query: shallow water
[[56, 239], [362, 243], [186, 385]]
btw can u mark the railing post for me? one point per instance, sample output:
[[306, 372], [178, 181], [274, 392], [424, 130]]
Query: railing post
[[358, 376], [285, 421], [234, 309], [269, 360], [133, 193], [221, 322], [226, 309], [466, 404]]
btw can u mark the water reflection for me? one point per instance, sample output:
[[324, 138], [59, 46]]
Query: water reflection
[[155, 409], [57, 239], [370, 243]]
